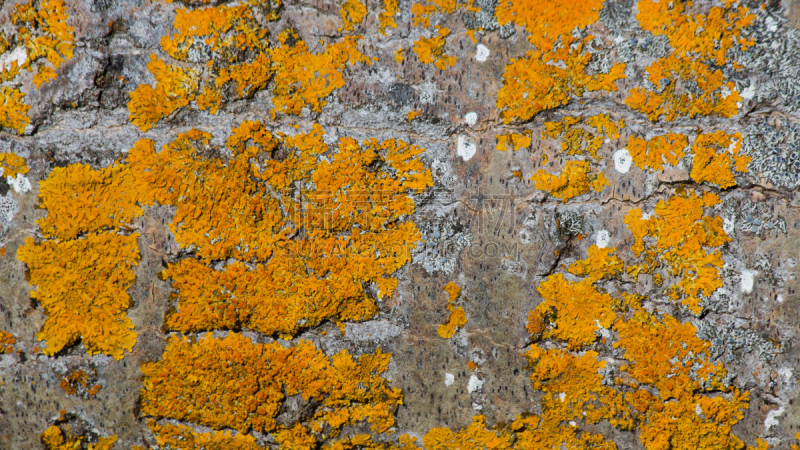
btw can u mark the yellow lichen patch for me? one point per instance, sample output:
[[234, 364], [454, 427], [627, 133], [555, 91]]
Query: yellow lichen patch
[[711, 94], [475, 436], [182, 437], [229, 46], [570, 312], [319, 246], [413, 114], [421, 14], [234, 383], [704, 36], [82, 286], [716, 156], [576, 140], [680, 234], [601, 263], [12, 165], [7, 341], [40, 37], [549, 23], [515, 140], [80, 200], [546, 80], [77, 382], [431, 50], [175, 88], [386, 17], [53, 438], [668, 148], [458, 317], [352, 13], [399, 57], [13, 112], [576, 179]]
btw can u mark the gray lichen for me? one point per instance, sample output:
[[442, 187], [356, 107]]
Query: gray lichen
[[443, 240], [775, 152]]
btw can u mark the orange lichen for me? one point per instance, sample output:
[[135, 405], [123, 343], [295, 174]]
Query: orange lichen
[[600, 264], [458, 317], [77, 382], [182, 437], [704, 36], [235, 52], [576, 140], [53, 438], [40, 36], [352, 13], [712, 95], [431, 50], [413, 114], [399, 57], [475, 436], [7, 341], [549, 23], [386, 17], [711, 166], [12, 165], [515, 140], [654, 153], [421, 14], [82, 286], [680, 234], [321, 248], [546, 80], [575, 179], [233, 383]]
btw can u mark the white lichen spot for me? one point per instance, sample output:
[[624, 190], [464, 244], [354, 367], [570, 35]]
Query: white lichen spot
[[749, 92], [772, 418], [562, 396], [622, 160], [603, 238], [604, 332], [481, 53], [779, 298], [18, 55], [477, 406], [698, 410], [474, 384], [748, 279], [725, 91], [465, 148], [728, 225], [20, 184], [471, 118], [449, 379], [572, 423]]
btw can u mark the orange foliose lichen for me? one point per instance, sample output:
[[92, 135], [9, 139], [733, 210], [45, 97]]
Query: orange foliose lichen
[[716, 156], [82, 286], [320, 246], [601, 263], [654, 153], [421, 14], [40, 36], [12, 165], [7, 341], [53, 438], [515, 140], [79, 382], [475, 436], [712, 95], [233, 383], [546, 80], [175, 88], [681, 233], [458, 317], [352, 13], [575, 179], [386, 17], [431, 50], [576, 140], [704, 36], [549, 23]]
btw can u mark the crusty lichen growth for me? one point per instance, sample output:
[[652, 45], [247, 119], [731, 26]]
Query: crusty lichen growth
[[576, 139], [12, 165], [53, 438], [229, 47], [82, 272], [7, 341], [668, 148], [232, 383], [352, 13], [575, 179], [42, 39], [716, 156], [79, 382], [457, 318], [431, 50]]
